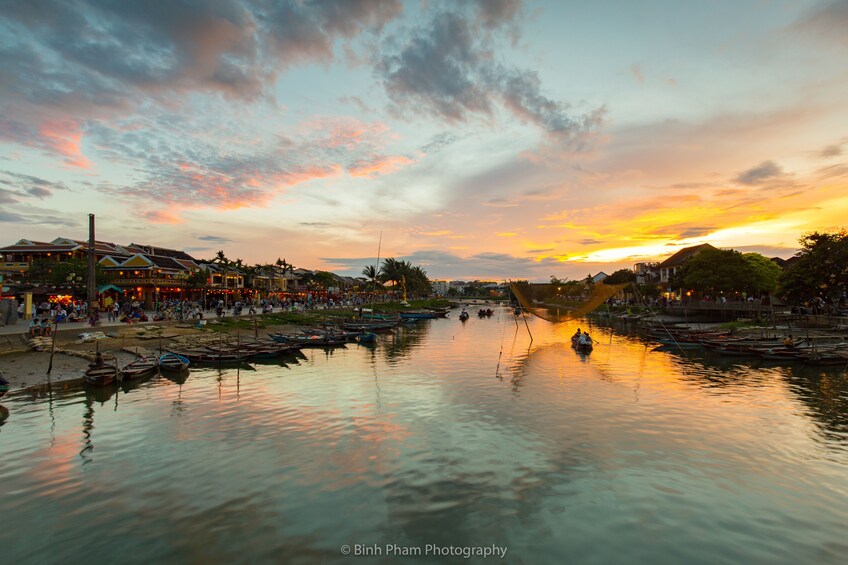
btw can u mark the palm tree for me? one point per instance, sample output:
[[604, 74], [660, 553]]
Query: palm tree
[[390, 270], [370, 272]]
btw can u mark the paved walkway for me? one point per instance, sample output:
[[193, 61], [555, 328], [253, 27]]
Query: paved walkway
[[22, 327]]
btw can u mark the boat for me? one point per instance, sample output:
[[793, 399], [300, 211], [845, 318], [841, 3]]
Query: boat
[[4, 386], [581, 347], [141, 368], [370, 326], [332, 333], [418, 315], [309, 340], [464, 316], [101, 376], [367, 337], [438, 311], [173, 363]]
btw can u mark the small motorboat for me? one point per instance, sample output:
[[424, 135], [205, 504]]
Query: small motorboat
[[174, 363], [141, 368]]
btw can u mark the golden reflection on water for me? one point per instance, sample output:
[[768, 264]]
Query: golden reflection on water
[[443, 431]]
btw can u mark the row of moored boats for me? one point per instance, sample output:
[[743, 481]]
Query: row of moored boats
[[817, 351]]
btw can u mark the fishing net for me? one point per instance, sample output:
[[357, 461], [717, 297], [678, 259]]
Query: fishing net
[[564, 301]]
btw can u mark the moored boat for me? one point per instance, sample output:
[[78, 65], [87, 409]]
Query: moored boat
[[171, 362], [139, 369], [418, 315], [101, 376]]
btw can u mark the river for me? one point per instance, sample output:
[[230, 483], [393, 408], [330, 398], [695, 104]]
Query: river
[[444, 434]]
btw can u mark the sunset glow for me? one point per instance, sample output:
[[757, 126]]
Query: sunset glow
[[545, 137]]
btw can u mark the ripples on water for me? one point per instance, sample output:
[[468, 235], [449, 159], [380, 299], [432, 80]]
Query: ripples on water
[[444, 433]]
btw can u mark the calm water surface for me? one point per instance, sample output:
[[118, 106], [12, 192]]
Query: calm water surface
[[445, 433]]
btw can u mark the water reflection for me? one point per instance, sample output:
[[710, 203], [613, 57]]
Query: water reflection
[[623, 452]]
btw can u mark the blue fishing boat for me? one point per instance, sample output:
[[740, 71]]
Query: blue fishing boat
[[173, 362], [367, 337]]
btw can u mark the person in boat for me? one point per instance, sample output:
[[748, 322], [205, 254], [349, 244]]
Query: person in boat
[[789, 342], [576, 336], [585, 339], [98, 361]]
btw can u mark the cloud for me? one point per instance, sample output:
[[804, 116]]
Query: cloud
[[378, 165], [438, 142], [214, 239], [825, 23], [59, 137], [36, 219], [762, 172], [162, 217], [636, 71], [25, 186], [445, 68], [833, 150], [191, 171]]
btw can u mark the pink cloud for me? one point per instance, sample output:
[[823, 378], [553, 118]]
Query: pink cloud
[[163, 217], [379, 165]]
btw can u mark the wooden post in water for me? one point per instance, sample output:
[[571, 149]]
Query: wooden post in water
[[53, 347], [90, 283]]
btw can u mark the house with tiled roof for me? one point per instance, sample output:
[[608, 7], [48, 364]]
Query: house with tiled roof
[[670, 266]]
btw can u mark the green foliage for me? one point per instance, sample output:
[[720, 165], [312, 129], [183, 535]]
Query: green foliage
[[72, 272], [763, 274], [621, 276], [820, 268], [396, 272], [726, 270], [198, 279]]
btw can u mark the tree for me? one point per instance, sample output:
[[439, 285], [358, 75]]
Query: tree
[[726, 270], [820, 268], [621, 276], [72, 272], [370, 272], [763, 274], [391, 271]]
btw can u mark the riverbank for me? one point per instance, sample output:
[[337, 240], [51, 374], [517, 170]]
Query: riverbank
[[24, 366], [72, 355]]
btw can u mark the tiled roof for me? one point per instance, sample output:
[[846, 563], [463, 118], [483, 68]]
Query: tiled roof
[[681, 256], [150, 250]]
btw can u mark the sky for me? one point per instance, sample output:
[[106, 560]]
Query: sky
[[487, 139]]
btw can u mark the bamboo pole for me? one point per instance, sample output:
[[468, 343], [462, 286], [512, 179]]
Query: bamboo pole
[[53, 347]]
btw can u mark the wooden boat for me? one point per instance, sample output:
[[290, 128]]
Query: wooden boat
[[370, 326], [4, 386], [439, 312], [581, 347], [144, 367], [171, 362], [101, 376], [367, 337], [332, 333], [209, 355], [418, 315], [308, 340]]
